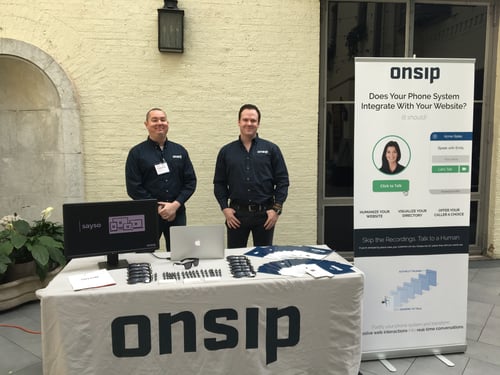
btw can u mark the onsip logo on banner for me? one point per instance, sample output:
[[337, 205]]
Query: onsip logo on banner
[[417, 72]]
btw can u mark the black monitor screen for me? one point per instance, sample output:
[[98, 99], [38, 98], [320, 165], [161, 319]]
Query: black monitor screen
[[110, 228]]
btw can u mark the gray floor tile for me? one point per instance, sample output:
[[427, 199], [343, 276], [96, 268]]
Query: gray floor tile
[[488, 276], [28, 341], [473, 331], [31, 310], [14, 358], [484, 352], [477, 315], [377, 368], [484, 293], [35, 369], [486, 263], [496, 312], [432, 365], [475, 367], [491, 332], [478, 312], [472, 273]]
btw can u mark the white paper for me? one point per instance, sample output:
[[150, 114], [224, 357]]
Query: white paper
[[316, 271], [95, 279], [297, 271], [294, 254]]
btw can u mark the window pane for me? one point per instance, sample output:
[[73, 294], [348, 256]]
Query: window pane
[[378, 29], [473, 223], [456, 31], [339, 228], [339, 150], [452, 31], [476, 142], [360, 29]]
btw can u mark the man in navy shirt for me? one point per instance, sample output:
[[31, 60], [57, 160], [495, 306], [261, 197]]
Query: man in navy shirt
[[250, 183], [161, 169]]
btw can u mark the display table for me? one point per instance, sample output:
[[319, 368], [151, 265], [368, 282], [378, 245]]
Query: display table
[[269, 324]]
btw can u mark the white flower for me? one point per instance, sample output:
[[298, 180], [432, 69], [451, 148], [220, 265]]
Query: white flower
[[6, 221], [47, 212]]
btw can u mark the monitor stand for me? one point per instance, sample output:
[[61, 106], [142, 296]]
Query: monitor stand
[[113, 262]]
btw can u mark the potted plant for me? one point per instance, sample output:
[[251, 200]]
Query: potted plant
[[41, 242]]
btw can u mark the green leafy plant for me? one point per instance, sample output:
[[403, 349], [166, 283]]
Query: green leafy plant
[[41, 241]]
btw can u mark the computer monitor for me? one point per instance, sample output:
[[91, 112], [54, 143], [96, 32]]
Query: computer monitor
[[110, 228]]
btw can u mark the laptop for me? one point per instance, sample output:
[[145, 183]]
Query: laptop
[[203, 242]]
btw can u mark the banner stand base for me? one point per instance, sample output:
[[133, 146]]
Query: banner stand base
[[445, 360], [388, 365]]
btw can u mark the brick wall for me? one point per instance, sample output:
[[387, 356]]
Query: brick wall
[[236, 51]]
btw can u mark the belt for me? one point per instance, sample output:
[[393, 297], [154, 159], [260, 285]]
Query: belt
[[249, 207]]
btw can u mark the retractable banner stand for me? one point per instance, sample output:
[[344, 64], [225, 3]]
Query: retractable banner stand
[[413, 145]]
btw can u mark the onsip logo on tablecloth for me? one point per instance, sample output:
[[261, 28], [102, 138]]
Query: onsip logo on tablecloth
[[211, 321]]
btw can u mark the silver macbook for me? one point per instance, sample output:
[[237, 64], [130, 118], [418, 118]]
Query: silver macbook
[[203, 242]]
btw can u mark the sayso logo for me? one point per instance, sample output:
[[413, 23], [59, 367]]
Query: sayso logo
[[90, 226], [212, 324]]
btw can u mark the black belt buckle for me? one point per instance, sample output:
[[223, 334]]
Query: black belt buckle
[[254, 207], [251, 207]]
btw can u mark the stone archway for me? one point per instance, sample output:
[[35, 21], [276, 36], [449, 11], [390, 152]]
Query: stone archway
[[41, 161]]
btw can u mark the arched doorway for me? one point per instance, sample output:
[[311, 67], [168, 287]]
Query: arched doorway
[[40, 150]]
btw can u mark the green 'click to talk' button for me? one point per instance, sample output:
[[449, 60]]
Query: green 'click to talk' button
[[445, 169], [391, 185]]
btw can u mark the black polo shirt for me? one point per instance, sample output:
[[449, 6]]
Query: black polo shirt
[[257, 176], [143, 181]]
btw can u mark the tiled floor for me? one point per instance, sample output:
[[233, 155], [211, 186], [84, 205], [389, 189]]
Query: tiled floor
[[20, 352]]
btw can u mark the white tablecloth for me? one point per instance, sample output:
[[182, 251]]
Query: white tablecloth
[[263, 325]]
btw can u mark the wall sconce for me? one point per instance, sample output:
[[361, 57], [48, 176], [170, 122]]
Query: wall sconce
[[170, 27]]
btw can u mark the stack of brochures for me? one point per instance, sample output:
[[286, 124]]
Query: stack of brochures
[[289, 252], [299, 261]]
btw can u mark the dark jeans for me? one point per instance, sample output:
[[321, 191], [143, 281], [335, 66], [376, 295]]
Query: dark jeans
[[164, 225], [250, 222]]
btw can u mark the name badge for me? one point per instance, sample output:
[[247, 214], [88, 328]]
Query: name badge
[[162, 168]]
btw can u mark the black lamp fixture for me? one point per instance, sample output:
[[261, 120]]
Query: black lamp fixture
[[170, 27]]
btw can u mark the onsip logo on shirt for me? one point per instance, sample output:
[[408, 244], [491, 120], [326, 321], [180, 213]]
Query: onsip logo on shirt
[[262, 152], [176, 156]]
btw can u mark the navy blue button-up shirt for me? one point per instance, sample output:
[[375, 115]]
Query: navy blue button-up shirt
[[257, 176], [144, 182]]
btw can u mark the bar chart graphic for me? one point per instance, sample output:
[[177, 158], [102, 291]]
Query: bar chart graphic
[[409, 290]]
